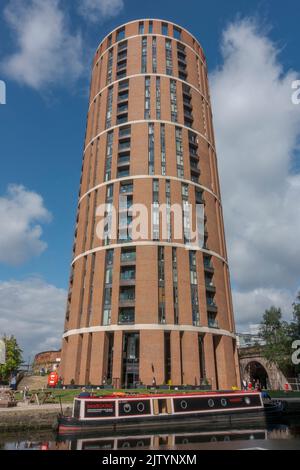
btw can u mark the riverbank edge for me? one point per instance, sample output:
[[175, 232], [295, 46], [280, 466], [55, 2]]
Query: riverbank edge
[[36, 418]]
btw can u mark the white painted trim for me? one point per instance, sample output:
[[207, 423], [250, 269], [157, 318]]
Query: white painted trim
[[133, 177], [148, 75], [148, 243], [152, 327], [149, 121]]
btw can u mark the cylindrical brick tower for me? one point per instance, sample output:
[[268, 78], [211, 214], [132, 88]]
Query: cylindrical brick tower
[[155, 309]]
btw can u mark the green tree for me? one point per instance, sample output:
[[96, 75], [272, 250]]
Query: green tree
[[277, 336], [13, 357]]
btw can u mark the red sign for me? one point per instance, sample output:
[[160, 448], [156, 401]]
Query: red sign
[[52, 379]]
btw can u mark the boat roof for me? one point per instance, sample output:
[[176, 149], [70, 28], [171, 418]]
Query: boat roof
[[120, 395]]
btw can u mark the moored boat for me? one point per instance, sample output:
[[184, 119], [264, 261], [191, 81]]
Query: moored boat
[[122, 411]]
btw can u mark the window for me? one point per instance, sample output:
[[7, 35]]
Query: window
[[124, 131], [150, 27], [109, 151], [169, 60], [154, 55], [194, 289], [179, 152], [126, 187], [108, 217], [147, 97], [186, 213], [109, 66], [109, 107], [127, 273], [123, 85], [107, 295], [173, 97], [161, 285], [120, 34], [175, 286], [141, 27], [144, 54], [164, 29], [151, 148], [163, 148], [176, 33], [109, 40], [128, 255], [187, 105], [168, 204], [158, 104], [126, 315], [155, 210], [127, 294]]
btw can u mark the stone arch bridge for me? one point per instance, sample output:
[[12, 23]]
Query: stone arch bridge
[[254, 366]]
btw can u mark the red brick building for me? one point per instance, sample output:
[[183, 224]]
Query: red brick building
[[151, 309]]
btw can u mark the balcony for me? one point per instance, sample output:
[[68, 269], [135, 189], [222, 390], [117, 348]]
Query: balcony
[[122, 64], [124, 132], [124, 145], [124, 85], [208, 266], [126, 316], [123, 160], [122, 46], [128, 256], [210, 287], [211, 306], [212, 322], [126, 188]]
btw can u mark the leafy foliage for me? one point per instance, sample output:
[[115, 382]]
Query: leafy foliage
[[278, 336], [13, 358]]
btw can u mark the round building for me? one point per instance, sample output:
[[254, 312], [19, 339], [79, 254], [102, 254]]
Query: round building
[[155, 308]]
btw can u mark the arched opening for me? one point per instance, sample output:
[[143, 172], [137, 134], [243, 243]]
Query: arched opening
[[255, 372]]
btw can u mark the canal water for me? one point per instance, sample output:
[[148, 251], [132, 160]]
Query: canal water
[[270, 436]]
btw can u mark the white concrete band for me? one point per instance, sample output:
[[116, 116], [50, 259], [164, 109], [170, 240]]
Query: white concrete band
[[135, 177], [148, 243], [150, 327]]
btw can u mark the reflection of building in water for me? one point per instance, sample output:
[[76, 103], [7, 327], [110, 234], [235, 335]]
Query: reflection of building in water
[[156, 441], [280, 432]]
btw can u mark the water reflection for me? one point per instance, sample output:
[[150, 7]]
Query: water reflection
[[162, 440]]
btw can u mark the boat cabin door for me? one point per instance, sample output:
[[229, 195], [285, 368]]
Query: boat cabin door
[[162, 406]]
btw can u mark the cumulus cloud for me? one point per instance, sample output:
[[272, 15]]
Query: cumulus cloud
[[33, 311], [257, 132], [47, 52], [21, 211], [97, 10]]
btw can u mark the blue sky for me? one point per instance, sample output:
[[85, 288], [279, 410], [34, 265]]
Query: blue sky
[[42, 131]]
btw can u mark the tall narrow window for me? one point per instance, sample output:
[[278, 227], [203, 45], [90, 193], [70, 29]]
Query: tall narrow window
[[144, 54], [154, 55], [147, 97], [175, 286], [141, 27], [194, 289], [109, 107], [91, 293], [109, 151], [168, 204], [151, 148], [155, 210], [158, 103], [186, 213], [179, 152], [169, 60], [108, 214], [173, 97], [163, 148], [161, 285], [107, 292], [109, 66], [82, 291], [164, 29], [150, 27]]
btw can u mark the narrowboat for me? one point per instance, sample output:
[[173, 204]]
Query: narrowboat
[[154, 411]]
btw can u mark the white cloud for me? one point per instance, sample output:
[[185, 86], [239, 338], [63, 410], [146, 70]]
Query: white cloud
[[250, 305], [20, 212], [257, 129], [47, 52], [97, 10], [33, 311]]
